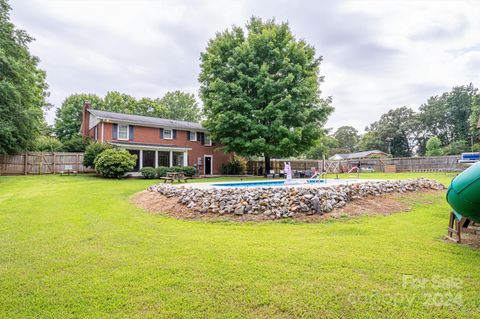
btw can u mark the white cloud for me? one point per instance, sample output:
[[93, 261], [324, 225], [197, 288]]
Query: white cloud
[[377, 54]]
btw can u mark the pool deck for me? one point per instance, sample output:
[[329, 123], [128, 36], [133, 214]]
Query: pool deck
[[294, 183]]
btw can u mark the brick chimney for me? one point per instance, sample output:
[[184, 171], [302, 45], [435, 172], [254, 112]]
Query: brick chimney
[[85, 119]]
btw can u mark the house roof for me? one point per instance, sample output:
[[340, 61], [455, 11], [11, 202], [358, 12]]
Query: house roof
[[145, 120], [357, 155]]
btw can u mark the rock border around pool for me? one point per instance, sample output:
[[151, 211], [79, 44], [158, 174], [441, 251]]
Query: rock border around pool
[[286, 202]]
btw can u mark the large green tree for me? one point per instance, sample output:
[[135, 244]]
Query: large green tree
[[324, 146], [393, 133], [347, 137], [179, 105], [260, 90], [69, 116], [22, 88], [450, 116]]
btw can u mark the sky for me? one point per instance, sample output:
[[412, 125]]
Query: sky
[[377, 55]]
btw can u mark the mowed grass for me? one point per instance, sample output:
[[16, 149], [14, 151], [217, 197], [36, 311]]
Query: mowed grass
[[74, 247]]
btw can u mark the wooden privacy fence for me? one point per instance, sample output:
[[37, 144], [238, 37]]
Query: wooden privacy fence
[[403, 164], [41, 163]]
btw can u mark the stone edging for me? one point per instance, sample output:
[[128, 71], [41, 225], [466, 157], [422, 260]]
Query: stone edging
[[282, 202]]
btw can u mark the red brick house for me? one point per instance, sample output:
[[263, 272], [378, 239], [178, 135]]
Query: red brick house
[[155, 141]]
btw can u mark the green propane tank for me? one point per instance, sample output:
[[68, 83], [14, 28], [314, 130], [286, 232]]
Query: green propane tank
[[464, 193]]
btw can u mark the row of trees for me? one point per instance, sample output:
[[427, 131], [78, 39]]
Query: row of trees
[[451, 117], [445, 125], [22, 88]]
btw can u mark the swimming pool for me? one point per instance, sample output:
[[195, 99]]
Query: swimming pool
[[268, 183]]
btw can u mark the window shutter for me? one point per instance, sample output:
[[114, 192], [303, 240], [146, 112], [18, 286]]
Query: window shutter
[[131, 132], [161, 133], [199, 136], [189, 137], [202, 138], [174, 134], [114, 131]]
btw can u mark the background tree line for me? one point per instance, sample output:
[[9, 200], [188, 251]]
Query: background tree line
[[445, 125]]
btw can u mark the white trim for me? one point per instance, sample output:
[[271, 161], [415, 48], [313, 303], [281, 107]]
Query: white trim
[[151, 148], [185, 158], [171, 134], [140, 164], [156, 158], [118, 132], [170, 164], [205, 164]]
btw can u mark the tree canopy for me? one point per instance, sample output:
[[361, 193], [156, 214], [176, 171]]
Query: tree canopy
[[179, 105], [22, 88], [260, 90], [347, 137], [451, 117]]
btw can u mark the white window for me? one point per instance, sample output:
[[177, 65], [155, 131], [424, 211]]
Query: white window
[[193, 136], [122, 132], [208, 140], [167, 134]]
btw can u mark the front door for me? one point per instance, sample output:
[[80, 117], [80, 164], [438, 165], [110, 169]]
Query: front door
[[208, 165]]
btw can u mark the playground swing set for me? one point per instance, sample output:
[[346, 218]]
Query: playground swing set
[[463, 195]]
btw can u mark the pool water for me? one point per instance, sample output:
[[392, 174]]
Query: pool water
[[267, 183]]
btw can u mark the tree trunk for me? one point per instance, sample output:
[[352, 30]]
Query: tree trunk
[[267, 166]]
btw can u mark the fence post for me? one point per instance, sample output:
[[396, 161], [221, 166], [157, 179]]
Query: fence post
[[25, 164]]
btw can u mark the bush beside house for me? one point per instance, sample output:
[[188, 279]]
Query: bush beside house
[[148, 172], [237, 166], [114, 163], [92, 151]]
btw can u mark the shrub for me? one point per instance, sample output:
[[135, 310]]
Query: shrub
[[47, 144], [224, 169], [456, 148], [237, 166], [434, 146], [92, 151], [114, 163], [163, 170], [148, 172], [76, 144], [188, 170]]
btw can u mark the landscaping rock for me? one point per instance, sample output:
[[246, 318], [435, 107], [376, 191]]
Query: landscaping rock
[[283, 202]]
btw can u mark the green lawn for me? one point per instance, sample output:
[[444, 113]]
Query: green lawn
[[74, 247]]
